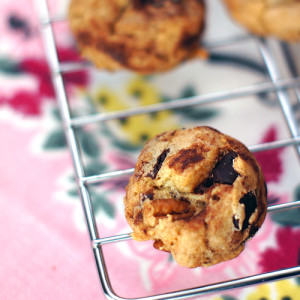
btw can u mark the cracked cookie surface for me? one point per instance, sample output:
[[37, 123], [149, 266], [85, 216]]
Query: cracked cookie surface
[[279, 18], [145, 36], [198, 194]]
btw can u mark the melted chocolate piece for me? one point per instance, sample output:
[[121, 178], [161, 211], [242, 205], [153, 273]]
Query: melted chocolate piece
[[139, 217], [86, 38], [146, 196], [253, 230], [161, 158], [250, 203], [266, 188], [236, 222], [190, 41], [216, 197], [224, 172], [140, 3], [208, 182], [199, 189], [184, 199], [114, 49]]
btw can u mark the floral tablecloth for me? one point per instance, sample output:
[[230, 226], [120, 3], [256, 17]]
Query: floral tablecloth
[[45, 247]]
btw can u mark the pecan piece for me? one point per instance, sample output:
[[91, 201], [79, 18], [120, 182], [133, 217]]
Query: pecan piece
[[178, 209]]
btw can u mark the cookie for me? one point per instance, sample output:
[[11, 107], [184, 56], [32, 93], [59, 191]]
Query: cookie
[[198, 194], [278, 18], [145, 36]]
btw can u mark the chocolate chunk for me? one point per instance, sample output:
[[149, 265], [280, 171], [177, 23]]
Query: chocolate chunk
[[189, 41], [250, 203], [199, 189], [266, 188], [184, 199], [85, 38], [253, 230], [138, 217], [236, 223], [146, 196], [138, 4], [116, 50], [207, 183], [216, 197], [224, 172], [161, 158]]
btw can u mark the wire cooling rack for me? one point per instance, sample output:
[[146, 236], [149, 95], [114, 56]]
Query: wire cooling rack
[[275, 84]]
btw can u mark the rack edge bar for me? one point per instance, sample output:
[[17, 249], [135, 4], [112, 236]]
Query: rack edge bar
[[185, 102], [198, 291], [253, 148]]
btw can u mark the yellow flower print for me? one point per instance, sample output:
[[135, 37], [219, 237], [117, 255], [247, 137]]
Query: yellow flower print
[[108, 100], [218, 298], [262, 292], [136, 129], [141, 128], [142, 91], [281, 290], [287, 290]]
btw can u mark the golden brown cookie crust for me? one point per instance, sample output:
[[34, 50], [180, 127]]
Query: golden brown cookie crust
[[198, 194], [145, 36], [278, 18]]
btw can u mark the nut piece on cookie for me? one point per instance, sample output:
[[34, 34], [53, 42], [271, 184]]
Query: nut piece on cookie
[[198, 194], [145, 36], [278, 18]]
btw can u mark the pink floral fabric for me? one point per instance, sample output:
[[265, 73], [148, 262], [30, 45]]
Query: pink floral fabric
[[45, 247]]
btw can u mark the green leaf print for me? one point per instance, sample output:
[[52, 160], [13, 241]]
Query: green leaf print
[[287, 218], [56, 114], [227, 297], [125, 146], [73, 193], [56, 140], [188, 91], [199, 113], [297, 193], [100, 202], [89, 146], [94, 168], [193, 113], [9, 67]]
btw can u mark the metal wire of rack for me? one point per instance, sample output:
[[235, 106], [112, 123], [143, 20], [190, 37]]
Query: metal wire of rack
[[275, 84]]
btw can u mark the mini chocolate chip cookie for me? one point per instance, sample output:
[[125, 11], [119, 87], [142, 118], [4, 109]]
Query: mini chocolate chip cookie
[[145, 36], [279, 18], [198, 193]]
